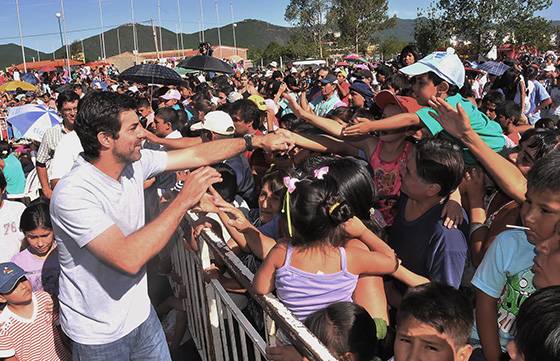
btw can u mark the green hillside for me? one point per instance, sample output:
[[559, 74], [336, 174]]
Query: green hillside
[[10, 54]]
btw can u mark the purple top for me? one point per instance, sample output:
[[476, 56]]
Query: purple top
[[41, 273], [304, 293]]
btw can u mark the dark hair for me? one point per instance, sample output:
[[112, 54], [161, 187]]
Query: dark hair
[[439, 161], [275, 178], [246, 111], [384, 70], [345, 327], [495, 97], [409, 49], [537, 326], [400, 83], [545, 173], [169, 115], [3, 182], [440, 306], [546, 123], [34, 216], [543, 141], [343, 113], [66, 96], [227, 188], [317, 209], [100, 112], [509, 110], [453, 89], [5, 149], [143, 102], [508, 82]]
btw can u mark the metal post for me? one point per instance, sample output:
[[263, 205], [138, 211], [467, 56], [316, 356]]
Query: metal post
[[58, 15], [154, 33], [65, 37], [103, 50], [38, 55], [134, 37], [118, 40], [180, 27], [21, 38], [233, 26], [201, 20], [83, 50], [159, 23], [219, 35]]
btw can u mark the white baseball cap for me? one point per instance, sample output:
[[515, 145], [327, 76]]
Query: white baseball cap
[[217, 122], [171, 94], [446, 64]]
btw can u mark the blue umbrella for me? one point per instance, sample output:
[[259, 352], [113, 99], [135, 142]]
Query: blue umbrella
[[32, 120], [30, 78], [493, 67]]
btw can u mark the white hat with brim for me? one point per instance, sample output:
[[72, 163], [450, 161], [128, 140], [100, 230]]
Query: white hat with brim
[[445, 64], [218, 122]]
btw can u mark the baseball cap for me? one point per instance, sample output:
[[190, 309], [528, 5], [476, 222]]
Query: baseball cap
[[259, 101], [328, 79], [362, 88], [10, 274], [171, 94], [234, 96], [341, 71], [446, 64], [217, 121], [407, 104]]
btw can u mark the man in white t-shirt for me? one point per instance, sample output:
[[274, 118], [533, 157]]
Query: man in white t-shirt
[[10, 214], [97, 212], [65, 154]]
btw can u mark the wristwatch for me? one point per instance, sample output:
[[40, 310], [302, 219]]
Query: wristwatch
[[248, 142]]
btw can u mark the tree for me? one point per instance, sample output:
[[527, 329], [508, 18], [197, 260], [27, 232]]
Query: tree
[[360, 20], [483, 23], [429, 34], [309, 16], [391, 47], [536, 31]]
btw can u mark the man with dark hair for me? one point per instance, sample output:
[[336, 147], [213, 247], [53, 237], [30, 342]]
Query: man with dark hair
[[433, 323], [246, 117], [490, 103], [428, 248], [98, 219], [507, 114], [67, 104]]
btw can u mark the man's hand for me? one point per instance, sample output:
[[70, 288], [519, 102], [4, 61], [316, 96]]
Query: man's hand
[[196, 185], [150, 137], [455, 122], [273, 142], [296, 108]]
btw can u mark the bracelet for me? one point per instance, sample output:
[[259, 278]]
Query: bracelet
[[475, 227], [397, 264]]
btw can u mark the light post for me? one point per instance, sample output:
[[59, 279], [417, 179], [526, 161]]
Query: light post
[[21, 38], [58, 16], [233, 26]]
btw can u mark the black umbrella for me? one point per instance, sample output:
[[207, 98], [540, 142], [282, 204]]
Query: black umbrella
[[151, 74], [206, 63]]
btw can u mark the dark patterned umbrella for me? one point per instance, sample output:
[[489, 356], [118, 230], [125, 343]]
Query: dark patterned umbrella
[[151, 74], [493, 67], [206, 63]]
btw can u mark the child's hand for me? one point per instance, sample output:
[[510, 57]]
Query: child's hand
[[236, 217], [354, 228], [360, 128], [455, 122], [452, 214]]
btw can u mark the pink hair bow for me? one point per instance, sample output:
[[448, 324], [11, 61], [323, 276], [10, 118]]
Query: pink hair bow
[[290, 183], [320, 173]]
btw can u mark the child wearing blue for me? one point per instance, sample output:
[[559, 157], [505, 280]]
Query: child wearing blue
[[504, 279]]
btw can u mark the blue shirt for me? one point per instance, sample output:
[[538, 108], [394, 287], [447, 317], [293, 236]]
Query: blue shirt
[[322, 106], [505, 274], [427, 247], [537, 96]]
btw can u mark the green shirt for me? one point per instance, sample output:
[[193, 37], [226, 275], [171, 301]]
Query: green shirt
[[15, 177], [489, 130]]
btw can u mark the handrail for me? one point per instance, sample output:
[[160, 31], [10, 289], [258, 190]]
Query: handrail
[[299, 335]]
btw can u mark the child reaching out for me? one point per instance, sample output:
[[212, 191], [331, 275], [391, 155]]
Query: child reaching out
[[313, 270]]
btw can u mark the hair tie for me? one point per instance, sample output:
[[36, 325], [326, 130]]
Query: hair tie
[[321, 172], [333, 207]]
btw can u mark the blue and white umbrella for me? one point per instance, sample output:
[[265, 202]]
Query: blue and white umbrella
[[32, 120], [493, 67]]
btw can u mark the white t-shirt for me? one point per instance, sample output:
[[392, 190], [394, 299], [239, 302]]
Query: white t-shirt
[[98, 303], [65, 154], [10, 235]]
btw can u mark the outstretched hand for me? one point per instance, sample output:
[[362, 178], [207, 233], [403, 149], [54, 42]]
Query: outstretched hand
[[197, 183], [455, 121], [360, 128]]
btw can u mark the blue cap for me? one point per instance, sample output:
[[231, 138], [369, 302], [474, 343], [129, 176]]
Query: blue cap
[[328, 79], [10, 274]]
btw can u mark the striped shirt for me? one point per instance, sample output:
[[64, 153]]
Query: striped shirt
[[50, 140], [34, 339]]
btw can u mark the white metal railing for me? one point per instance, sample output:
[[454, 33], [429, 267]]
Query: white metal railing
[[220, 331]]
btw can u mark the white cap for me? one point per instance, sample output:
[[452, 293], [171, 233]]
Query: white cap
[[217, 122], [446, 64], [274, 64], [171, 94], [234, 96]]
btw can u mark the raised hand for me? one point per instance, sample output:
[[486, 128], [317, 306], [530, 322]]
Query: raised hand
[[196, 185], [361, 128], [455, 121]]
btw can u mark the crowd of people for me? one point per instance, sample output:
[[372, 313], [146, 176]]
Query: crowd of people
[[405, 210]]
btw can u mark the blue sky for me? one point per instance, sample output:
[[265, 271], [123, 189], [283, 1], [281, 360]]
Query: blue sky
[[40, 27]]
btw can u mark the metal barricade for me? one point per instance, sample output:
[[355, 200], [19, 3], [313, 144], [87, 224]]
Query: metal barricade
[[220, 330]]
